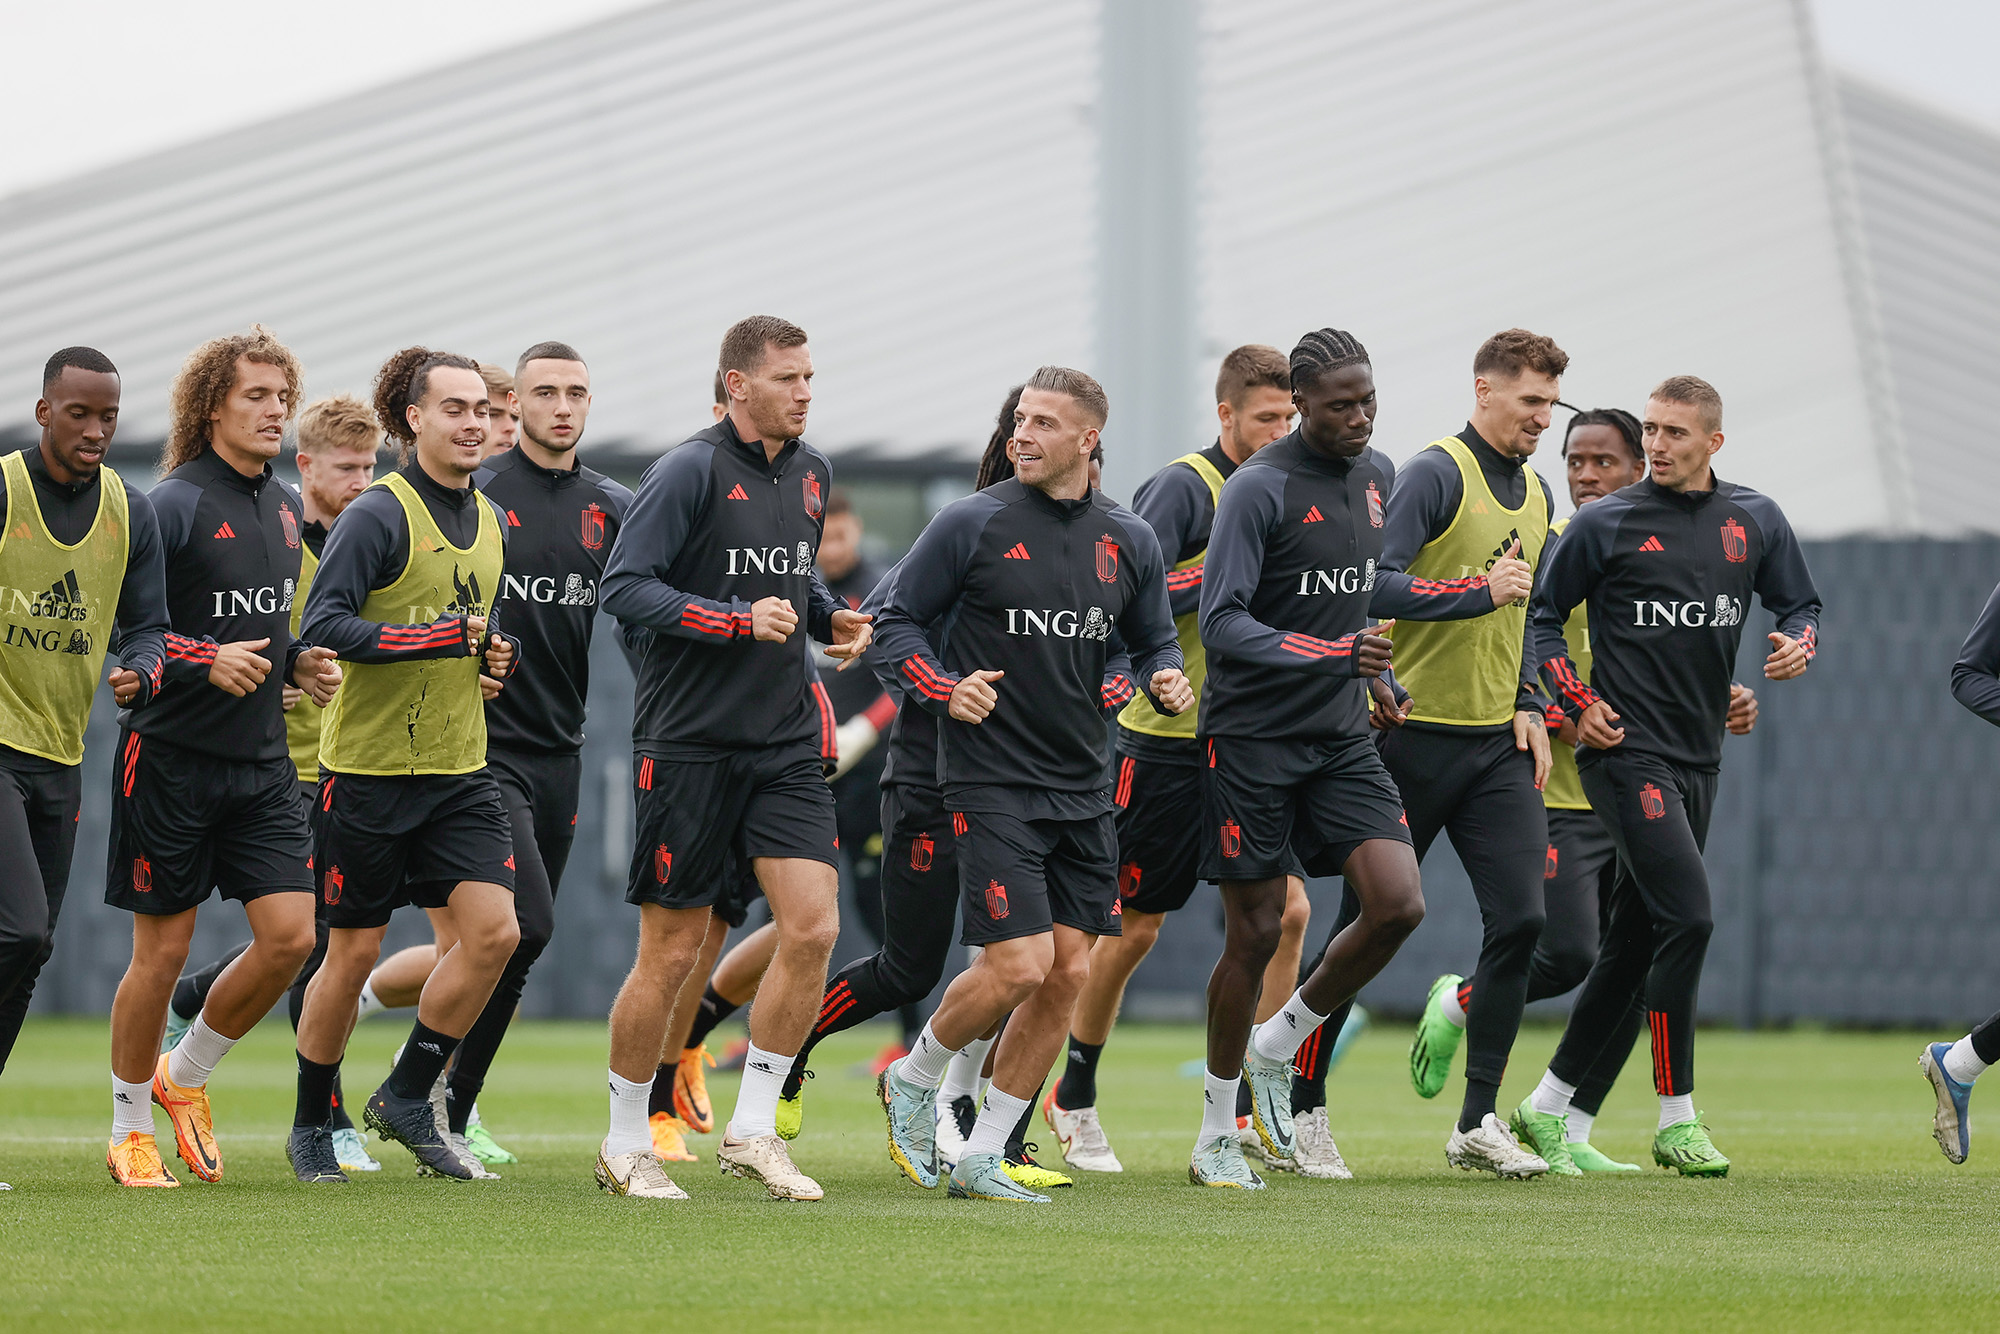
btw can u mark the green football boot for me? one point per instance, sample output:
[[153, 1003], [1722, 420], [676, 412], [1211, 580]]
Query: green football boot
[[1435, 1042], [1685, 1148], [792, 1106], [1542, 1134], [1587, 1159], [480, 1140]]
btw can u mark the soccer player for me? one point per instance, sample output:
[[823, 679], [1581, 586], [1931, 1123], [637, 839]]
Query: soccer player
[[716, 560], [503, 423], [561, 519], [1952, 1067], [205, 795], [337, 446], [79, 561], [1667, 567], [1032, 575], [1157, 791], [1294, 566], [408, 811]]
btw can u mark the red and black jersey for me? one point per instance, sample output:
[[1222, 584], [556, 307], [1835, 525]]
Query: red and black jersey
[[1293, 575], [560, 528], [714, 528], [1668, 577], [232, 555]]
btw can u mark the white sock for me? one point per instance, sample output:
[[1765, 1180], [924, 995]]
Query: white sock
[[928, 1060], [1962, 1062], [1218, 1106], [757, 1096], [1576, 1130], [996, 1121], [1551, 1096], [131, 1109], [1675, 1109], [628, 1117], [370, 1002], [200, 1051], [962, 1074], [1453, 1011], [1280, 1037]]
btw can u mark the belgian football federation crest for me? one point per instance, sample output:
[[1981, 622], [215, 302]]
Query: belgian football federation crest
[[996, 900], [922, 849], [1128, 879], [815, 502], [663, 863], [1374, 506], [1651, 804], [1232, 839], [291, 522], [142, 875], [592, 523], [335, 882], [1549, 870], [1735, 542], [1107, 559]]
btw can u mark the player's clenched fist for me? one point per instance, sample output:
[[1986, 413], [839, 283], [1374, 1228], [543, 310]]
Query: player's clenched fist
[[1788, 658], [1373, 650], [499, 654], [237, 667], [317, 673], [773, 620], [973, 698], [1171, 688], [1510, 579]]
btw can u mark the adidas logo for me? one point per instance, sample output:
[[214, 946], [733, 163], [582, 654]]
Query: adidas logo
[[65, 589], [738, 493], [1313, 516], [430, 1047], [1018, 551], [763, 1067], [1651, 544], [512, 521], [225, 530]]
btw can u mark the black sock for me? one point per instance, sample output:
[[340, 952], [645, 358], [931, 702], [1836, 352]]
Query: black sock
[[1314, 1060], [1017, 1138], [191, 992], [1986, 1041], [1078, 1085], [1480, 1101], [661, 1099], [341, 1120], [712, 1011], [912, 1019], [1242, 1098], [458, 1107], [316, 1083], [423, 1060]]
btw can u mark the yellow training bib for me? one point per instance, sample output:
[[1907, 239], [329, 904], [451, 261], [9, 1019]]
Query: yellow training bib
[[303, 722], [1564, 790], [1138, 714]]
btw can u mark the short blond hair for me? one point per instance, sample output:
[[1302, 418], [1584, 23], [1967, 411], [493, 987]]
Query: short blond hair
[[1696, 393], [340, 422]]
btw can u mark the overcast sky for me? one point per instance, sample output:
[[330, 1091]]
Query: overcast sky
[[91, 85]]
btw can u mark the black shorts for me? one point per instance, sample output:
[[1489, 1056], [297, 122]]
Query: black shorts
[[1159, 817], [184, 824], [1023, 877], [1268, 805], [382, 841], [704, 818]]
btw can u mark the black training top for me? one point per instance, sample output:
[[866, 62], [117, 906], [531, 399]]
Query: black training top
[[716, 527], [1975, 677], [1668, 577], [1293, 575], [232, 551], [1429, 489], [856, 690], [139, 641], [1012, 580], [369, 551], [560, 526]]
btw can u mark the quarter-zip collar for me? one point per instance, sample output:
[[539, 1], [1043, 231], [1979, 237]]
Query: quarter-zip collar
[[39, 467], [217, 468], [753, 450], [1487, 455], [453, 497], [1689, 501], [1066, 510], [555, 479]]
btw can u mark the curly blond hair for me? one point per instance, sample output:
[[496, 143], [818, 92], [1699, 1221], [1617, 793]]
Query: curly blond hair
[[205, 380]]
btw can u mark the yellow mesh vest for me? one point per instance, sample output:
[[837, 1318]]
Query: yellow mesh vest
[[302, 723], [58, 605], [1462, 673], [1138, 714], [1564, 790], [418, 717]]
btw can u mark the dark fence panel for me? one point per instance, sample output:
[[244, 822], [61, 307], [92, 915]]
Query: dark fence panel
[[1853, 856]]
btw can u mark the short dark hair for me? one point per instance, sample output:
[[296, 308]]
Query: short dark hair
[[1618, 420], [838, 502], [1512, 351], [83, 358], [1252, 366], [743, 347], [1325, 350], [1697, 393], [550, 351], [721, 390], [1087, 392]]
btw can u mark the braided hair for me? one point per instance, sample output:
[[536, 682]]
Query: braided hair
[[1617, 419], [403, 380], [994, 465], [1325, 350]]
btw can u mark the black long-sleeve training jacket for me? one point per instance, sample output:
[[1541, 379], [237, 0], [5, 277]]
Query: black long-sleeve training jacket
[[1293, 575], [1975, 677], [232, 547], [560, 527], [1668, 577], [1017, 582], [714, 528]]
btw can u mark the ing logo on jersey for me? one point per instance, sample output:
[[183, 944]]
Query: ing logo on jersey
[[1651, 803], [996, 900], [142, 876], [815, 502], [663, 863], [592, 523], [1374, 506], [1107, 559], [1735, 542], [1232, 839], [922, 850]]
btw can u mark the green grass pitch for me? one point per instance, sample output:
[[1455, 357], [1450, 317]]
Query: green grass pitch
[[1839, 1213]]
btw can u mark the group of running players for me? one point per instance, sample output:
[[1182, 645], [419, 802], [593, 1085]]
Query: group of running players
[[359, 694]]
